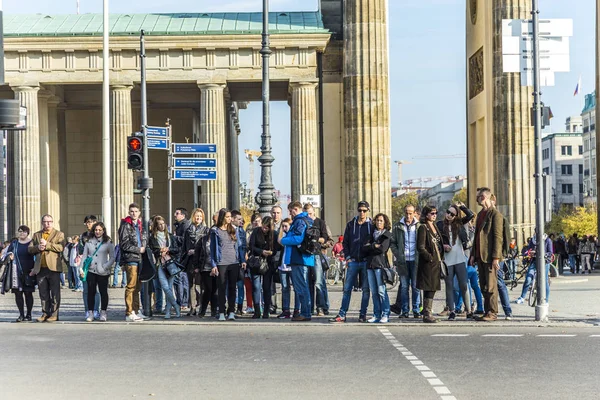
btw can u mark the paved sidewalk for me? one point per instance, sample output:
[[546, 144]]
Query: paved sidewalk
[[574, 301]]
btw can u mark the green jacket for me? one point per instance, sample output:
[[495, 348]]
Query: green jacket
[[397, 245]]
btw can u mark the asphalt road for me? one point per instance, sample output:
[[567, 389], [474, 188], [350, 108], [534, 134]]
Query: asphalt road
[[100, 361]]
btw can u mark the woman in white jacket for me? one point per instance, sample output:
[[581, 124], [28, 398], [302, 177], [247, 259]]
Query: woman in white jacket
[[102, 252]]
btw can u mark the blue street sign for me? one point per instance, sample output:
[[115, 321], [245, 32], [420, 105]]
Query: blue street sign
[[195, 163], [194, 175], [157, 131], [160, 144], [194, 148]]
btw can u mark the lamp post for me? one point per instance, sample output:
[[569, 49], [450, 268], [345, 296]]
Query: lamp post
[[265, 198], [106, 195]]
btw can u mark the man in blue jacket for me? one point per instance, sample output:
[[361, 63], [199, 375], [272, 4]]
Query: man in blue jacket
[[297, 260], [358, 232]]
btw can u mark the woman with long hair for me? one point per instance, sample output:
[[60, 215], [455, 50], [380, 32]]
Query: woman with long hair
[[18, 278], [165, 249], [224, 261], [456, 241], [102, 251], [191, 297], [261, 245], [431, 256], [376, 251]]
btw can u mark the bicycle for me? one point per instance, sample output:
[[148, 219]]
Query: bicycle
[[336, 272]]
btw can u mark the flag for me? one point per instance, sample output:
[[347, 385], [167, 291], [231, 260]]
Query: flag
[[578, 87]]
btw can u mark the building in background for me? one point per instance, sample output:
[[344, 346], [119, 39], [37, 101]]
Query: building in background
[[562, 163], [574, 124], [441, 195], [588, 115]]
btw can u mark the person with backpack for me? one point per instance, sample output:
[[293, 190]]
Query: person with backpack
[[357, 233], [297, 244]]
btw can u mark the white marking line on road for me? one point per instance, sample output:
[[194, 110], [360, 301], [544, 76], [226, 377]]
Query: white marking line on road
[[594, 335], [557, 335], [502, 335], [450, 335], [425, 371]]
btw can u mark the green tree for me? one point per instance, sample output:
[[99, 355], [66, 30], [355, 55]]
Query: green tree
[[461, 196], [398, 204], [581, 220]]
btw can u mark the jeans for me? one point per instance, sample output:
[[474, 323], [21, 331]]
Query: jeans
[[529, 281], [116, 276], [158, 293], [240, 292], [182, 286], [71, 277], [474, 286], [503, 292], [406, 283], [511, 266], [257, 281], [322, 297], [381, 301], [77, 279], [573, 262], [85, 298], [166, 285], [286, 278], [300, 281], [354, 269]]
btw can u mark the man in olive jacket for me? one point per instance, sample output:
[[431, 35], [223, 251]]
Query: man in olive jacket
[[47, 245], [404, 249], [487, 251]]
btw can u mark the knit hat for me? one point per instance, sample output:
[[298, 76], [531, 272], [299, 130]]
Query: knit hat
[[364, 204]]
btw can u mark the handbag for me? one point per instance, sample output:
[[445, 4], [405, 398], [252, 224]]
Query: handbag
[[389, 274], [258, 265], [172, 268], [28, 281], [443, 266], [88, 262]]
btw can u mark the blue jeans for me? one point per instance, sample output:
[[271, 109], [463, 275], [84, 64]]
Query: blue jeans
[[473, 278], [158, 293], [182, 286], [503, 292], [240, 292], [257, 290], [529, 281], [300, 281], [573, 262], [76, 278], [511, 265], [166, 285], [286, 297], [116, 276], [355, 268], [406, 283], [96, 299], [322, 297], [381, 301]]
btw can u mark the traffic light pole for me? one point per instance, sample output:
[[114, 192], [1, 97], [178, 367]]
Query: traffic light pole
[[541, 307], [145, 186]]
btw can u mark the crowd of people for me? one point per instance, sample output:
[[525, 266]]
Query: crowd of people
[[218, 263]]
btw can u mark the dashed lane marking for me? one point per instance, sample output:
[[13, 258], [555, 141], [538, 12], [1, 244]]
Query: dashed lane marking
[[502, 335], [556, 335], [433, 380], [450, 335]]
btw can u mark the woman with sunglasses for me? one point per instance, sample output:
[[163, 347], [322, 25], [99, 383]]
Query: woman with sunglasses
[[455, 236], [376, 251], [431, 256], [17, 278]]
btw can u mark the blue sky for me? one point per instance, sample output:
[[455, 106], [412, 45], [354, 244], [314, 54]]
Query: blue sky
[[427, 74]]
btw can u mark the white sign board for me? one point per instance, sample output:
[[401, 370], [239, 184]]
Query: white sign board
[[314, 199]]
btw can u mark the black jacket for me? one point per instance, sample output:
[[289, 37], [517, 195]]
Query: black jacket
[[355, 236], [191, 236], [128, 242], [174, 249], [463, 234], [201, 259], [180, 228], [377, 256]]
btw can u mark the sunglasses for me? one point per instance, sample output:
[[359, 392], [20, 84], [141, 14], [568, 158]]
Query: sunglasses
[[362, 210], [450, 213], [433, 213]]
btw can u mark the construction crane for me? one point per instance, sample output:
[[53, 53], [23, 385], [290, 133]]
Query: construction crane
[[400, 163], [251, 155]]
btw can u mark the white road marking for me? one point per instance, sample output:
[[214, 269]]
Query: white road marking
[[594, 335], [557, 335], [502, 335], [433, 380], [451, 335]]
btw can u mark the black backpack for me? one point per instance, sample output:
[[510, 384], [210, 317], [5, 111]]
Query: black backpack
[[310, 244]]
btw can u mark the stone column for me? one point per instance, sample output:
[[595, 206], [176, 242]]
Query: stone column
[[366, 106], [26, 153], [121, 176], [54, 164], [304, 140], [43, 97], [212, 130]]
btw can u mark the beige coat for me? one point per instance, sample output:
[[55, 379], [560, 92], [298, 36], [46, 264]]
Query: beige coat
[[54, 247]]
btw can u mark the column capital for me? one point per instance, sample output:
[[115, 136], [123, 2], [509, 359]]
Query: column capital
[[301, 84], [33, 87], [125, 86], [211, 86]]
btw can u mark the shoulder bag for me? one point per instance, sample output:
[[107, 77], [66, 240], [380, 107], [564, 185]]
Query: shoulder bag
[[258, 265], [88, 262], [443, 266]]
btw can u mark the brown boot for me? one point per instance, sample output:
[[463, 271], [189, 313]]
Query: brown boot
[[428, 317], [52, 318], [490, 317]]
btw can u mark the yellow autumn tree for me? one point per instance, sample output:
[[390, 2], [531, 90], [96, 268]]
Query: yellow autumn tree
[[581, 220]]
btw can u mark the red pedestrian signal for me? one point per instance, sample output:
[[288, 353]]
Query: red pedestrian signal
[[135, 153]]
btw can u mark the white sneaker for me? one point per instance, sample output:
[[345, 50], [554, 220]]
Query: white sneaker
[[89, 316], [384, 320], [373, 320], [222, 317], [133, 318], [142, 316], [520, 300], [103, 316], [231, 317], [249, 310]]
